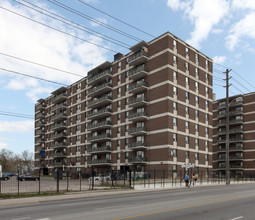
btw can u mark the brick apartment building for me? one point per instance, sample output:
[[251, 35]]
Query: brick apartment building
[[241, 135], [149, 109]]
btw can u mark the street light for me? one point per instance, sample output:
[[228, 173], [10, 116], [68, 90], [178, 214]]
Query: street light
[[238, 99]]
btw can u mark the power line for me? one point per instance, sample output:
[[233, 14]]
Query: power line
[[28, 61], [93, 20], [21, 114], [34, 77], [16, 115], [239, 83], [59, 30], [238, 89], [116, 18], [243, 79], [112, 40]]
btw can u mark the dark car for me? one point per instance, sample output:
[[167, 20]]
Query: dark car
[[5, 177], [26, 177]]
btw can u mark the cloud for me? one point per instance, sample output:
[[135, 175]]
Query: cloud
[[204, 14], [17, 126], [3, 145], [245, 28], [243, 4], [219, 59], [31, 41]]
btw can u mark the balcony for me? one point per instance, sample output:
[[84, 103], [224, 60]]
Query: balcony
[[221, 123], [138, 102], [40, 123], [221, 106], [101, 89], [41, 139], [138, 58], [137, 131], [98, 150], [61, 97], [221, 158], [221, 115], [60, 154], [221, 141], [40, 107], [100, 162], [59, 117], [102, 137], [100, 77], [100, 125], [138, 145], [59, 135], [58, 106], [102, 113], [231, 149], [101, 101], [58, 145], [139, 72], [235, 158], [231, 131], [138, 87], [59, 126], [235, 103], [236, 112], [59, 164], [137, 160], [40, 132], [232, 140], [236, 121], [137, 116], [40, 115]]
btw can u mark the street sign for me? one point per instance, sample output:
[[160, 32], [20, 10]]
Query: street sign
[[187, 166]]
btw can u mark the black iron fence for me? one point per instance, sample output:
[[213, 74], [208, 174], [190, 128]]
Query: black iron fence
[[78, 181]]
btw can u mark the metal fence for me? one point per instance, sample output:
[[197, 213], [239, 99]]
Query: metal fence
[[79, 181]]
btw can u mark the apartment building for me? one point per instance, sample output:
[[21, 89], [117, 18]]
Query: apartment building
[[148, 109], [241, 135]]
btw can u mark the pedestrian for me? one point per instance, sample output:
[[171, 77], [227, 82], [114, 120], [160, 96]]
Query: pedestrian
[[186, 179], [193, 179]]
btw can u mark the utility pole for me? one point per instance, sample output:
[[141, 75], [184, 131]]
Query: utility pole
[[227, 172]]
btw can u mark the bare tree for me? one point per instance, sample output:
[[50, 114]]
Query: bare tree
[[26, 162], [6, 157]]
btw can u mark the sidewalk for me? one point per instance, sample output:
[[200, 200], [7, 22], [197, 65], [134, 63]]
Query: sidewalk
[[89, 194]]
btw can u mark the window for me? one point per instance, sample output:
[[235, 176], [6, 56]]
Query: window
[[118, 156], [187, 51], [187, 66], [118, 143], [196, 57], [187, 125], [187, 155], [196, 156], [207, 76], [196, 127], [196, 141], [78, 85], [78, 149], [78, 128], [197, 73], [175, 90], [118, 130], [197, 99], [119, 103], [187, 95], [174, 152], [118, 116], [174, 137], [196, 113], [175, 59], [206, 104], [186, 110], [174, 105], [206, 144], [206, 157], [206, 64], [78, 106], [206, 117], [196, 85], [175, 44], [187, 80], [175, 121], [206, 90], [206, 130], [79, 96], [187, 139], [119, 64], [78, 159], [119, 91], [175, 75]]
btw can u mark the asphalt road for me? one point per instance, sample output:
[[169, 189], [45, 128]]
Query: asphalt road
[[232, 202]]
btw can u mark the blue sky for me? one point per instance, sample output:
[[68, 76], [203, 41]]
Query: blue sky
[[222, 29]]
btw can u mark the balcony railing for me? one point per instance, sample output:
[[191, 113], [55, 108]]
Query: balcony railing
[[100, 76], [40, 115], [99, 137], [236, 121], [138, 58], [101, 112], [138, 116], [100, 162], [62, 154], [140, 130], [236, 139], [137, 160], [60, 135], [138, 87], [59, 97], [55, 107], [59, 116], [103, 149], [137, 102], [104, 100], [138, 145], [100, 89], [103, 124], [137, 73], [58, 126], [58, 145]]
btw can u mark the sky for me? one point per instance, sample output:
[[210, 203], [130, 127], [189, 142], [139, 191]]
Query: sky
[[58, 41]]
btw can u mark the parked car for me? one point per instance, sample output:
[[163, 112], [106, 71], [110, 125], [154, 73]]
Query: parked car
[[26, 177], [5, 177], [101, 178]]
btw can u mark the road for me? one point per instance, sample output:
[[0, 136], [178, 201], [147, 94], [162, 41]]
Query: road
[[232, 202]]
